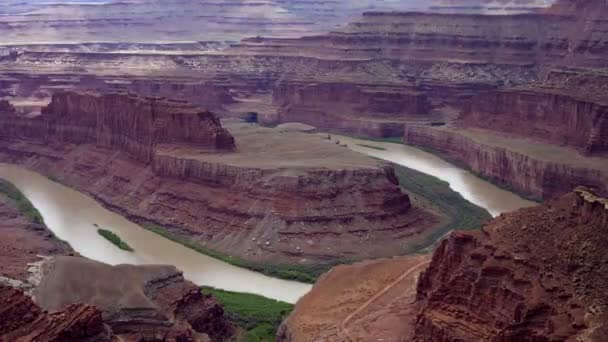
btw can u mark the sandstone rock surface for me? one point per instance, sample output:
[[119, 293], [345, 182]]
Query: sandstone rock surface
[[22, 320], [530, 166], [536, 274]]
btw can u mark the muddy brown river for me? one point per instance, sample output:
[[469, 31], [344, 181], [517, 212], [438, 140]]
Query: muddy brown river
[[474, 189], [73, 217]]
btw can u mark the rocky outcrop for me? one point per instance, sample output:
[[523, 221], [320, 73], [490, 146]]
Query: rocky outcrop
[[22, 320], [136, 301], [554, 290], [556, 117], [531, 167], [269, 201], [536, 274], [129, 123]]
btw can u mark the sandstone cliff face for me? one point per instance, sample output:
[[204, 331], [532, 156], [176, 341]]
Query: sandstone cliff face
[[22, 320], [132, 124], [534, 175], [368, 110], [556, 117], [538, 274]]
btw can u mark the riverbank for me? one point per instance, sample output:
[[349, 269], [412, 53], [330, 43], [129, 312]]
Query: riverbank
[[58, 203], [258, 316], [437, 195], [24, 236]]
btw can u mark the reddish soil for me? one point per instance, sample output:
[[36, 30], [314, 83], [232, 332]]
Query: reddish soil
[[358, 302]]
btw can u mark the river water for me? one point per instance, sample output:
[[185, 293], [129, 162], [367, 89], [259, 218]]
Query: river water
[[73, 217], [474, 189]]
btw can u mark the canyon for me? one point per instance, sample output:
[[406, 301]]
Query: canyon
[[161, 162], [382, 75], [537, 291], [188, 121]]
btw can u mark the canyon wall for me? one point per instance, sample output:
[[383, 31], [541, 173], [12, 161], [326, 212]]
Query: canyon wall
[[555, 117], [554, 290], [234, 202], [542, 174], [536, 274], [368, 110]]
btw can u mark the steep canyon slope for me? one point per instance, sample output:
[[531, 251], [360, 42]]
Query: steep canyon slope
[[537, 274]]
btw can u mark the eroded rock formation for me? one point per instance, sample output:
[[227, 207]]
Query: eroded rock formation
[[22, 320], [269, 201], [137, 302], [542, 269], [556, 117], [537, 274], [530, 166]]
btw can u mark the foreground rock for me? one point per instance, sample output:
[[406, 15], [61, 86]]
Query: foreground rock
[[22, 320], [535, 274], [280, 197], [137, 302]]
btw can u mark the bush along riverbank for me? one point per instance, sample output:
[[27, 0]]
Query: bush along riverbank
[[24, 206], [258, 316]]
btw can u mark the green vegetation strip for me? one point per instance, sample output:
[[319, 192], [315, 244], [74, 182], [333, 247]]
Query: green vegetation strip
[[498, 183], [461, 213], [302, 273], [259, 316], [24, 206], [115, 239], [373, 147]]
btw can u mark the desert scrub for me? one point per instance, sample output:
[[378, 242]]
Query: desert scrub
[[302, 273], [259, 316], [461, 213], [114, 239], [23, 205], [373, 147]]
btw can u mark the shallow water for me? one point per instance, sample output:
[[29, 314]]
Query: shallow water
[[474, 189], [72, 216]]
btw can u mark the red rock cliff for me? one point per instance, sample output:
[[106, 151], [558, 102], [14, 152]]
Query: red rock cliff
[[538, 274], [22, 320], [130, 123], [553, 116]]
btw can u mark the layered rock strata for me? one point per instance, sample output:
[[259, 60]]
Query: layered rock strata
[[136, 302], [529, 166], [270, 201], [22, 320], [537, 274], [549, 291], [556, 117], [372, 110]]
